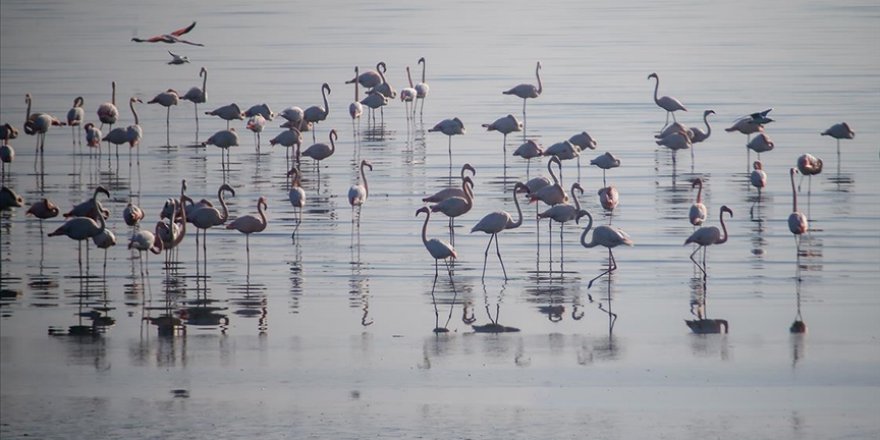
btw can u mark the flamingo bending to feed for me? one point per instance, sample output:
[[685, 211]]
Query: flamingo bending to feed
[[170, 38], [608, 237], [495, 222], [668, 103], [248, 224], [439, 250], [707, 236]]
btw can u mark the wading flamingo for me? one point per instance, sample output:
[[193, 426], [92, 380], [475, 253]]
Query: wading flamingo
[[316, 113], [358, 193], [707, 236], [422, 88], [608, 237], [439, 250], [668, 103], [698, 212], [498, 221], [526, 91], [248, 224]]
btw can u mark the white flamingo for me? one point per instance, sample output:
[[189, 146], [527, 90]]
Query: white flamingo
[[316, 113], [668, 103], [166, 99], [224, 139], [439, 250], [145, 241], [249, 224], [198, 96], [605, 161], [297, 195], [707, 236], [422, 88], [505, 126], [255, 124], [698, 212], [408, 95], [75, 117], [797, 221], [356, 109], [495, 222], [358, 193], [609, 238], [449, 127]]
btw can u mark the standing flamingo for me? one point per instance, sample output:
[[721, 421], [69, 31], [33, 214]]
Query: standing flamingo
[[422, 88], [384, 88], [38, 123], [449, 127], [456, 206], [698, 212], [505, 126], [497, 221], [550, 194], [368, 79], [526, 91], [797, 221], [758, 178], [107, 112], [316, 113], [206, 217], [356, 109], [288, 139], [198, 96], [132, 214], [255, 124], [446, 193], [229, 112], [563, 213], [75, 118], [675, 141], [248, 224], [707, 236], [166, 99], [142, 241], [606, 161], [90, 208], [319, 152], [224, 139], [105, 240], [131, 135], [93, 136], [698, 135], [808, 165], [296, 195], [609, 197], [44, 209], [668, 103], [173, 233], [608, 237], [408, 96], [7, 155], [439, 250], [749, 125], [528, 151], [79, 229], [760, 144], [839, 131], [358, 193]]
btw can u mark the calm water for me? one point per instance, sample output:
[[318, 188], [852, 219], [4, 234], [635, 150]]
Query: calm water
[[330, 334]]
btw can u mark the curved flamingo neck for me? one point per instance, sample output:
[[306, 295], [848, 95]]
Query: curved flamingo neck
[[204, 74], [656, 87], [225, 215], [261, 209], [706, 121], [134, 112], [182, 215], [723, 228], [538, 75], [793, 192], [700, 191], [425, 227], [409, 77], [364, 179], [156, 247], [519, 215], [324, 91], [577, 204], [586, 230], [332, 140], [552, 174]]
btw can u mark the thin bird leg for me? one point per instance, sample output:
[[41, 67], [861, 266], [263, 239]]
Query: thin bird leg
[[486, 255], [247, 246], [695, 261], [450, 151], [612, 266], [168, 126], [498, 251], [561, 251], [433, 298], [454, 292]]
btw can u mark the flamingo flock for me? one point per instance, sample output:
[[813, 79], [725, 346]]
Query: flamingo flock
[[88, 220]]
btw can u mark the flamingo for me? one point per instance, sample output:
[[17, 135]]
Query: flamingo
[[563, 213], [248, 224], [707, 236], [105, 240], [495, 222], [75, 118], [143, 241], [551, 194], [177, 59], [90, 208], [296, 195], [319, 152], [374, 101], [355, 109], [439, 250], [7, 131], [166, 99], [528, 151], [173, 233], [751, 124], [422, 88], [93, 136], [384, 88], [223, 139], [675, 141], [839, 131], [131, 134], [170, 38], [609, 198], [668, 103], [797, 221], [107, 112], [316, 113], [526, 91], [698, 135], [288, 139], [583, 141], [132, 214], [229, 112], [760, 144], [10, 199], [408, 95], [260, 109], [81, 228], [293, 115], [368, 79], [198, 96], [454, 207], [758, 178], [255, 124], [808, 165], [357, 194], [608, 237], [44, 209], [505, 126], [449, 127], [38, 123], [605, 161], [698, 213], [206, 217], [7, 155], [446, 193]]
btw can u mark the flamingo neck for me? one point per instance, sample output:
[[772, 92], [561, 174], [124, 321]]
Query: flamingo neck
[[793, 193], [538, 75], [586, 230], [409, 77], [356, 83], [261, 209], [519, 215], [700, 191], [157, 246], [134, 112], [364, 179], [425, 227], [27, 116], [204, 82], [723, 228], [424, 66], [326, 105], [577, 204], [113, 96], [182, 216], [656, 87], [708, 127], [552, 175], [225, 215], [332, 140]]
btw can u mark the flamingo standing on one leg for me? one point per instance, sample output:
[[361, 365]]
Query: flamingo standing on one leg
[[316, 113], [80, 229], [422, 88], [144, 240], [108, 114], [505, 126], [449, 127], [606, 161], [528, 151], [198, 96], [668, 103], [75, 118], [206, 217], [439, 250], [229, 112], [808, 165], [526, 91], [296, 195], [707, 236], [356, 109], [797, 221], [497, 221], [166, 99], [698, 212], [224, 139], [608, 237], [248, 224], [357, 194]]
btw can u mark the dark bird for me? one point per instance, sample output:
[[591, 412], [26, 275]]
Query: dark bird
[[171, 38]]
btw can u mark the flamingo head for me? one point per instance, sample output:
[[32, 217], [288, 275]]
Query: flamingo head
[[727, 210], [757, 165], [424, 209], [708, 112], [226, 187], [652, 75], [469, 167]]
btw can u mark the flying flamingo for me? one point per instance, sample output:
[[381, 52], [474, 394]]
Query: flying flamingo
[[316, 113], [608, 237], [319, 152], [132, 214], [505, 126], [446, 193], [38, 123], [526, 91], [422, 88], [439, 250], [495, 222], [449, 127], [173, 37], [797, 221], [528, 151], [198, 96], [229, 112], [296, 195], [166, 99], [357, 194], [698, 213], [454, 207], [224, 139], [668, 103], [248, 224], [606, 161], [75, 118], [355, 109], [206, 217], [707, 236]]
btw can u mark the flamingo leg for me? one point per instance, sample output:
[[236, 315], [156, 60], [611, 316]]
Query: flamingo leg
[[702, 269], [486, 255], [454, 292], [498, 252], [612, 266], [433, 298]]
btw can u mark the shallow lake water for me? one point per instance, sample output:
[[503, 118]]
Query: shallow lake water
[[329, 333]]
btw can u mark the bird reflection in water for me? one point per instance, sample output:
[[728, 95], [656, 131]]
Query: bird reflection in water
[[92, 322], [703, 325], [493, 326], [798, 326], [359, 288]]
